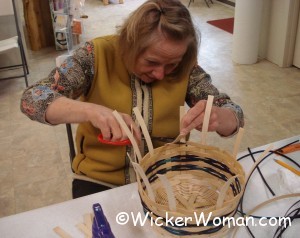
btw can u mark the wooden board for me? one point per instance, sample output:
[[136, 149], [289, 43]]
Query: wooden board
[[38, 24]]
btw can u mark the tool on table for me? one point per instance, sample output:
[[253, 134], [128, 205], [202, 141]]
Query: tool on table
[[290, 168], [101, 227], [108, 142], [289, 148]]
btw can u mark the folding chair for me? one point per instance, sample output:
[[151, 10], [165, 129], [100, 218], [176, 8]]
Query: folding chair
[[72, 152], [15, 42]]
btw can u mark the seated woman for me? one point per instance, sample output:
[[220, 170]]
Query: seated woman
[[150, 64]]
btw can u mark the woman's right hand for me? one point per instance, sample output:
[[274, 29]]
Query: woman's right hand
[[102, 118], [65, 110]]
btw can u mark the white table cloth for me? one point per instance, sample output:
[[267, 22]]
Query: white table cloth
[[40, 222]]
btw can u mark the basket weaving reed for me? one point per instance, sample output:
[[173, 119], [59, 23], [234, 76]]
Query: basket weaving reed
[[202, 179], [186, 180]]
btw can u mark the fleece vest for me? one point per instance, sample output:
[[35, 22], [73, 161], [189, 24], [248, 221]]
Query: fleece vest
[[114, 87]]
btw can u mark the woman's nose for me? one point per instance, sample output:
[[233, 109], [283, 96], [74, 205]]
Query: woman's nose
[[159, 73]]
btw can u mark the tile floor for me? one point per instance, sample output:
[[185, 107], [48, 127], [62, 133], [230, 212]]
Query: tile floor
[[34, 161]]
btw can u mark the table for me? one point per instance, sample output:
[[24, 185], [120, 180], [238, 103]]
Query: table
[[256, 192], [40, 222]]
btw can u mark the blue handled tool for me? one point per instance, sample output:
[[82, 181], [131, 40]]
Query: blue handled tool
[[101, 227]]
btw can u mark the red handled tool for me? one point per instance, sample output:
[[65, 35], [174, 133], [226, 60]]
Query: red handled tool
[[108, 142]]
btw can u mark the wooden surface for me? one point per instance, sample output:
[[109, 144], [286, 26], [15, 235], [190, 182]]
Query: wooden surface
[[38, 24]]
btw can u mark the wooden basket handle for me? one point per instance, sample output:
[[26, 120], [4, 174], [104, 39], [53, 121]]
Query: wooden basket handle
[[225, 187], [144, 129], [238, 142], [181, 114], [260, 158], [208, 107], [129, 134], [170, 194], [141, 173], [223, 192]]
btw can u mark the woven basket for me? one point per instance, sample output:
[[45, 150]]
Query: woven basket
[[201, 179], [186, 181]]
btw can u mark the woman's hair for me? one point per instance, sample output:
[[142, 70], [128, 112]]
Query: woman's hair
[[168, 17]]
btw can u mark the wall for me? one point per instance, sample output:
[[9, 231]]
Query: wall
[[274, 23], [279, 28], [264, 33], [296, 60], [6, 8]]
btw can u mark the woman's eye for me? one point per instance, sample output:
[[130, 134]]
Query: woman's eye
[[149, 62], [172, 66]]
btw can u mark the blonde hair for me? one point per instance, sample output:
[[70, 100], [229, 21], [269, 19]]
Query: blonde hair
[[168, 17]]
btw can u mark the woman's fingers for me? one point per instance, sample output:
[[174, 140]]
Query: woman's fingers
[[112, 130], [195, 116], [116, 130], [106, 132], [133, 127], [103, 118], [192, 124]]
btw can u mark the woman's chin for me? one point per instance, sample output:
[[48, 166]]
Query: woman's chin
[[147, 79]]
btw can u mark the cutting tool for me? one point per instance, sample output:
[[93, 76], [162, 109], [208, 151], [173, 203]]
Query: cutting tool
[[108, 142]]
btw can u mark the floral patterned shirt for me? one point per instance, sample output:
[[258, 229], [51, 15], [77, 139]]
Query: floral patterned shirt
[[75, 75]]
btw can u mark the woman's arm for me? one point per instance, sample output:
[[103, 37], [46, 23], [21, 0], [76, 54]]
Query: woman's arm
[[72, 79], [226, 116], [65, 110], [52, 100]]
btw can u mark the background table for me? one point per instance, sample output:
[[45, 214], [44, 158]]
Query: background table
[[40, 222], [256, 191]]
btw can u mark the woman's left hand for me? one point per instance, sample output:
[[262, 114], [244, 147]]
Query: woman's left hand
[[222, 120]]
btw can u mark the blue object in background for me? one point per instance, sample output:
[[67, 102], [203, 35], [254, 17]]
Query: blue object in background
[[101, 227]]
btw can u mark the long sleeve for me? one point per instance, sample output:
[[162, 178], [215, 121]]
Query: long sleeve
[[200, 86], [72, 79]]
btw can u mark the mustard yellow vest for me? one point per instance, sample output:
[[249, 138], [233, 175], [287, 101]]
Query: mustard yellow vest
[[115, 88]]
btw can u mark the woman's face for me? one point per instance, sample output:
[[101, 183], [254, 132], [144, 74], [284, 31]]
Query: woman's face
[[160, 59]]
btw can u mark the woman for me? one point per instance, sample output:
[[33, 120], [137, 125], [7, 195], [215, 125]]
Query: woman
[[150, 64]]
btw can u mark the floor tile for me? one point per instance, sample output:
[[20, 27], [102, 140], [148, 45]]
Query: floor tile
[[7, 202], [41, 193]]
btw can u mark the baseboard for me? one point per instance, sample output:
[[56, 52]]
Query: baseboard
[[227, 2]]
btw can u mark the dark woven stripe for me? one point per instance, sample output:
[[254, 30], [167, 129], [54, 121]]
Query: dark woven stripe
[[184, 167]]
